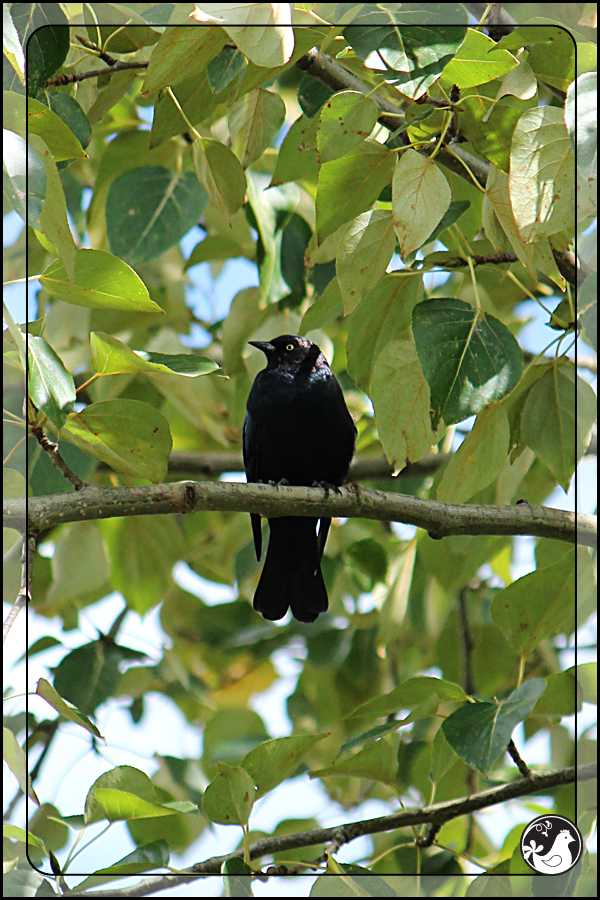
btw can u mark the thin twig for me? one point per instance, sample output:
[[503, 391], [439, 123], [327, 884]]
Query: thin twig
[[519, 762], [52, 450], [24, 595], [467, 643], [59, 80]]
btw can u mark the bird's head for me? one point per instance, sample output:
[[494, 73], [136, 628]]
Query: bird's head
[[289, 351]]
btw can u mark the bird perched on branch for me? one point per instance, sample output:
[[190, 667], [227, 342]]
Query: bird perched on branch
[[297, 431]]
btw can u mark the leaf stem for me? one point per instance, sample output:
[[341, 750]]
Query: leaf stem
[[185, 118]]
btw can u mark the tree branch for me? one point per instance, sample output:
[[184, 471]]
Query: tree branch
[[119, 66], [24, 595], [439, 519], [57, 461], [437, 815]]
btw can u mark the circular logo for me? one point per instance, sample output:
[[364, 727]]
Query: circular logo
[[551, 844]]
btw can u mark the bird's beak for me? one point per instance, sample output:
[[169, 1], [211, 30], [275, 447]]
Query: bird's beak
[[265, 346]]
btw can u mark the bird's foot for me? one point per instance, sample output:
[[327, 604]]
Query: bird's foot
[[326, 486], [282, 481]]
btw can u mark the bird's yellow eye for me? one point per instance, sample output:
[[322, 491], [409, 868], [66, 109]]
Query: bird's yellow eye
[[289, 346]]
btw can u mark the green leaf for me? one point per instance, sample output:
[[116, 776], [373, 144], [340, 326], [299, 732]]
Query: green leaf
[[347, 119], [541, 182], [122, 780], [273, 761], [365, 249], [181, 54], [469, 361], [154, 855], [553, 61], [499, 220], [213, 247], [327, 307], [452, 215], [117, 37], [400, 395], [80, 565], [415, 55], [378, 761], [102, 281], [230, 796], [262, 33], [237, 878], [295, 161], [525, 35], [479, 459], [420, 197], [253, 121], [121, 805], [149, 210], [38, 119], [589, 320], [24, 178], [224, 68], [480, 732], [409, 694], [53, 216], [540, 604], [12, 44], [312, 94], [47, 44], [581, 119], [220, 174], [72, 714], [549, 424], [70, 113], [143, 551], [563, 695], [587, 679], [370, 556], [383, 315], [490, 129], [350, 185], [89, 675], [474, 64], [51, 387], [443, 757], [15, 759], [130, 436], [113, 357]]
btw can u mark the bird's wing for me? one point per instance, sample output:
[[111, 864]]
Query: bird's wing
[[250, 449]]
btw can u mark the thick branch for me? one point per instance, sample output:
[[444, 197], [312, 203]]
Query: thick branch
[[342, 834], [439, 519]]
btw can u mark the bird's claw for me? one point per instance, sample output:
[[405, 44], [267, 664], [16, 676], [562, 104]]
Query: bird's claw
[[326, 486], [282, 481]]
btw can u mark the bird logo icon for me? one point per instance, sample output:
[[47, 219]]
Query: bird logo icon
[[557, 850]]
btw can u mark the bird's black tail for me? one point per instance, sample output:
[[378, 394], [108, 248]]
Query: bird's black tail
[[291, 576]]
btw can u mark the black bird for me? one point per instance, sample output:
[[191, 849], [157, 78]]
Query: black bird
[[297, 431]]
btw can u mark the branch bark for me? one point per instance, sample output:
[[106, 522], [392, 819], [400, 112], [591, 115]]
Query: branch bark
[[353, 501], [436, 815]]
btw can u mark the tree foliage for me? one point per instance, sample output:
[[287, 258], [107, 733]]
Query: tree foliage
[[400, 177]]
